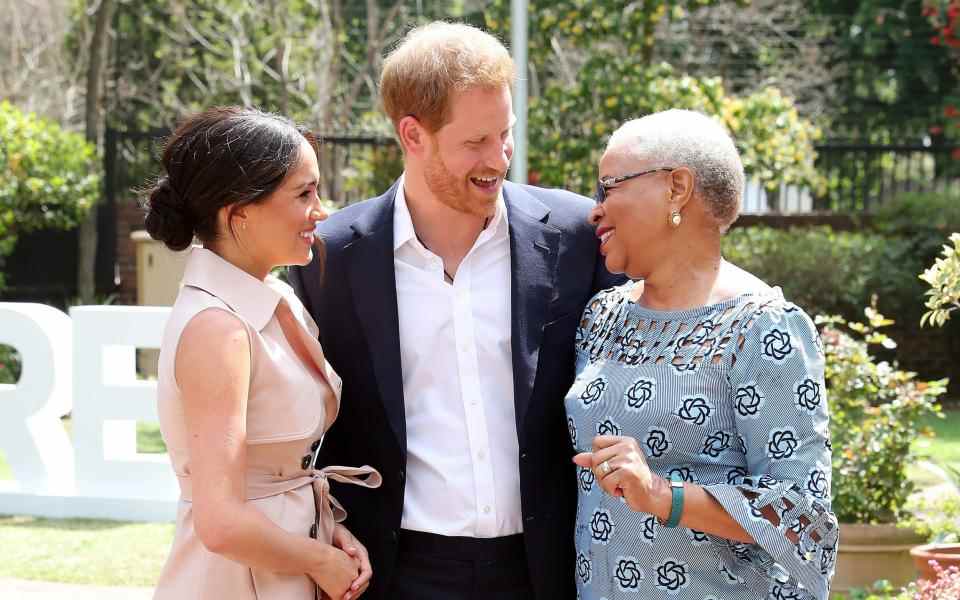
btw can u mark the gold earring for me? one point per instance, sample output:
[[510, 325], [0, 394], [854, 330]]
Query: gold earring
[[243, 225], [675, 218]]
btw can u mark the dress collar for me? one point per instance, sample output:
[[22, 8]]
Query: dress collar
[[252, 299]]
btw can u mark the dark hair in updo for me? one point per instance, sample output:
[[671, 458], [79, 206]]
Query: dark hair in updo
[[220, 157]]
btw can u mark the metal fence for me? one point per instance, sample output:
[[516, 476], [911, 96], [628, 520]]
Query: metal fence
[[352, 167], [859, 177]]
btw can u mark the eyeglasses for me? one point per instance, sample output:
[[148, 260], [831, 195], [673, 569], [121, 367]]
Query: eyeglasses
[[605, 183]]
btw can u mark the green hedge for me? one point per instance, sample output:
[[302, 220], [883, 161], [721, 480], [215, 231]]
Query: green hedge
[[837, 272], [834, 272]]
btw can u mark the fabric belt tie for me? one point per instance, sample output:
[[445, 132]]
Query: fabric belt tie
[[329, 510]]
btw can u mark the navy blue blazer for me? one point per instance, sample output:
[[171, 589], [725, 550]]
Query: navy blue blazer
[[555, 269]]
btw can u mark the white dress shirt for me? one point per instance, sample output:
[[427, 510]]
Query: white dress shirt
[[463, 474]]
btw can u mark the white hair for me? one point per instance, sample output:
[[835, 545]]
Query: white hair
[[685, 138]]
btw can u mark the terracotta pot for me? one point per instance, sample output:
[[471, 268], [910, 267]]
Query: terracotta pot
[[945, 554], [871, 552]]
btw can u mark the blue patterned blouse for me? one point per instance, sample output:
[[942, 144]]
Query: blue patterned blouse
[[730, 396]]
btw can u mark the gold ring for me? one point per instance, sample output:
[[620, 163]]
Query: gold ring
[[604, 468]]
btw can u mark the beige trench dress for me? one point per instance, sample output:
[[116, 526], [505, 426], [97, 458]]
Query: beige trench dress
[[291, 404]]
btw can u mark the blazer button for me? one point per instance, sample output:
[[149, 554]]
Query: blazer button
[[529, 518], [315, 445], [523, 456], [393, 536], [305, 464]]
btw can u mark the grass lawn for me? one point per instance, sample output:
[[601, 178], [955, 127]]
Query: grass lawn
[[83, 551], [945, 447]]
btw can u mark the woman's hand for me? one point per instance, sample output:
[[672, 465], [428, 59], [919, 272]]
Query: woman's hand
[[335, 572], [344, 540], [622, 471]]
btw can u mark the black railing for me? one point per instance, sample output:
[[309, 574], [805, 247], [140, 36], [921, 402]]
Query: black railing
[[353, 168], [861, 177]]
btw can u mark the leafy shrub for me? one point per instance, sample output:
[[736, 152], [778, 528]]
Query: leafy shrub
[[569, 125], [824, 271], [49, 178], [372, 169], [9, 364], [937, 518], [880, 590], [923, 221], [876, 413], [944, 280], [838, 272]]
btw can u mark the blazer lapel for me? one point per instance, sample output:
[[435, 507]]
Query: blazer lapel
[[534, 247], [374, 291]]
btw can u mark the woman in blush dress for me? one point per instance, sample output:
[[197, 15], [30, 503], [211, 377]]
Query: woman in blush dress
[[699, 410], [245, 393]]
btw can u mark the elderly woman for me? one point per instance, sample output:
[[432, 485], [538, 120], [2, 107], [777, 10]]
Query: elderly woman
[[699, 408]]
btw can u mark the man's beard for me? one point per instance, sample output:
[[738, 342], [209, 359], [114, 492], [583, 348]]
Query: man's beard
[[451, 191]]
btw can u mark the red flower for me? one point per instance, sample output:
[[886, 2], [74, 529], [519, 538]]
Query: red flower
[[935, 40], [950, 111], [929, 11], [955, 155], [935, 130]]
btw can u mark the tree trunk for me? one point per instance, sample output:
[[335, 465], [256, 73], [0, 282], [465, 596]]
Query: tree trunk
[[93, 116]]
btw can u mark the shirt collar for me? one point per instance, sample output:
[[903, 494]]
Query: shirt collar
[[252, 299], [404, 232]]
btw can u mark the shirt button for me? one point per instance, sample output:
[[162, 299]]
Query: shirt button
[[486, 510], [480, 455]]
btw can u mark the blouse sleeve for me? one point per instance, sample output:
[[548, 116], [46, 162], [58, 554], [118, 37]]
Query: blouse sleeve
[[782, 422]]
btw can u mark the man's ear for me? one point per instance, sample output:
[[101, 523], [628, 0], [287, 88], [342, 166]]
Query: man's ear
[[681, 187], [413, 135]]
